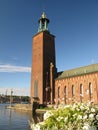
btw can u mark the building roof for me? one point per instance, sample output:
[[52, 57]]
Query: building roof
[[79, 71]]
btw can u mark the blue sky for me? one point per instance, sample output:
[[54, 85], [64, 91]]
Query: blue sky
[[73, 22]]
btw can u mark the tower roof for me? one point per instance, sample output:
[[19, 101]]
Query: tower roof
[[43, 23]]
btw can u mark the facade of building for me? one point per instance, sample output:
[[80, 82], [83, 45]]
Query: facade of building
[[80, 84], [43, 63], [48, 86]]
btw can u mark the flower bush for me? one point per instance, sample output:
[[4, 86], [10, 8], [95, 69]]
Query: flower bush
[[77, 116]]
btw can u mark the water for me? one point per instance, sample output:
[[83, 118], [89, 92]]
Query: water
[[14, 119]]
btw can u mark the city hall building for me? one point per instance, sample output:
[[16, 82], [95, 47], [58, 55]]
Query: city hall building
[[50, 86]]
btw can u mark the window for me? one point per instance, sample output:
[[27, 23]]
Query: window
[[65, 90], [58, 92], [36, 88], [90, 91], [81, 92], [65, 93], [73, 91]]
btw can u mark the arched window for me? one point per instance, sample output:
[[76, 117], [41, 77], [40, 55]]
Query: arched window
[[65, 90], [90, 91], [73, 91], [81, 92], [36, 88], [58, 92], [65, 93]]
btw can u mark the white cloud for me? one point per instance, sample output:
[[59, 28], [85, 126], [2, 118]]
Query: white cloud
[[16, 91], [13, 68]]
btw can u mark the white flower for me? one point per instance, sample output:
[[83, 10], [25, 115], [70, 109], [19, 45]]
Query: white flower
[[85, 117], [32, 126], [86, 127], [91, 116], [65, 119], [59, 118], [55, 128], [79, 117], [92, 110], [77, 109], [47, 114], [97, 116], [67, 106], [35, 127], [81, 107]]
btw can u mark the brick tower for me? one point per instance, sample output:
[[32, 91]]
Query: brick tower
[[43, 64]]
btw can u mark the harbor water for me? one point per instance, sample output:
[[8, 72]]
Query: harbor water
[[11, 119]]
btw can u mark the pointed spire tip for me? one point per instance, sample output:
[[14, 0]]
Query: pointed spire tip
[[44, 15]]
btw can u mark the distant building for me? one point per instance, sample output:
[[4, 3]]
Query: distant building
[[48, 85]]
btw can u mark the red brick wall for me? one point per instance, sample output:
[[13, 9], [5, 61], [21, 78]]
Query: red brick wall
[[37, 64], [43, 53], [76, 82]]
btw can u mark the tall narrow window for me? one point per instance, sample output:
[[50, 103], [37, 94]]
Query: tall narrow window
[[65, 94], [90, 91], [73, 91], [81, 92], [36, 88], [58, 92]]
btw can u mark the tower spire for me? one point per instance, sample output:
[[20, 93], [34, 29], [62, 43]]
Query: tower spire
[[43, 23]]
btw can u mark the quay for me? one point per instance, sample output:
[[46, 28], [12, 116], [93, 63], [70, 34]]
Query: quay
[[26, 107]]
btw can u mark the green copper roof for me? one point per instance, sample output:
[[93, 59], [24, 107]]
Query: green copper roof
[[79, 71], [43, 23]]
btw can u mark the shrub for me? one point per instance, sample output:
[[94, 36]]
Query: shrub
[[77, 116]]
